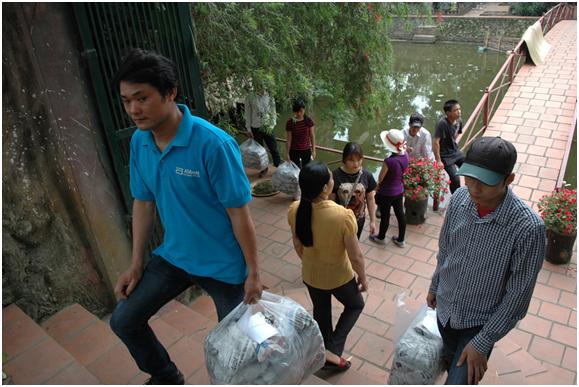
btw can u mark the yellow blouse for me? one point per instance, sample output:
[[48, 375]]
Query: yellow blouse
[[326, 265]]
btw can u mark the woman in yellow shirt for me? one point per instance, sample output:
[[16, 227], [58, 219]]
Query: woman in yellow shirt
[[324, 236]]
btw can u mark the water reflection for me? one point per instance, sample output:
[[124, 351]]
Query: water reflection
[[424, 76]]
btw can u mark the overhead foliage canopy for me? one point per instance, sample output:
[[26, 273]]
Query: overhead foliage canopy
[[338, 50]]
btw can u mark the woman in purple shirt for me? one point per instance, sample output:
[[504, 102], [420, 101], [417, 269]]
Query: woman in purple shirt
[[390, 187]]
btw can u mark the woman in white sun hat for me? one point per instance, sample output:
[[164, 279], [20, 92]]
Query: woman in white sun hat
[[390, 191]]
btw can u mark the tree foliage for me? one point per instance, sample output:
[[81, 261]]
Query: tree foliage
[[337, 50], [531, 9]]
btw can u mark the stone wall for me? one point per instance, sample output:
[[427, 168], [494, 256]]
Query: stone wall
[[463, 29], [64, 237]]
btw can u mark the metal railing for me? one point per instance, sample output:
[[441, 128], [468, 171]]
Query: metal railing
[[568, 147], [486, 107]]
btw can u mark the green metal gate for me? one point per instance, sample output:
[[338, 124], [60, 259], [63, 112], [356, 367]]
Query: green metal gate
[[107, 31]]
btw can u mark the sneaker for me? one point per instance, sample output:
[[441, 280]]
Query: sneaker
[[176, 379], [398, 243], [375, 239]]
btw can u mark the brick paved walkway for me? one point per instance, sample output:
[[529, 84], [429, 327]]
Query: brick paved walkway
[[536, 115]]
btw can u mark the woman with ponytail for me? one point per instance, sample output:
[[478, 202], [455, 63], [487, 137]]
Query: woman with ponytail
[[324, 237]]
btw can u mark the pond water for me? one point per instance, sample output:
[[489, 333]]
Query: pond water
[[424, 76]]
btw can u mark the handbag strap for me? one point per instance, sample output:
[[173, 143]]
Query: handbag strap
[[353, 188]]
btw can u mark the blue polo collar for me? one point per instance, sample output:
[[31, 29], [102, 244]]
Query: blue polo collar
[[182, 137]]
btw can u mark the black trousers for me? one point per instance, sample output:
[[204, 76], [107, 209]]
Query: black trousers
[[385, 203], [349, 296], [451, 169], [301, 157], [361, 222], [269, 139]]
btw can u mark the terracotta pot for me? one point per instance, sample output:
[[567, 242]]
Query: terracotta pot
[[415, 210], [559, 247]]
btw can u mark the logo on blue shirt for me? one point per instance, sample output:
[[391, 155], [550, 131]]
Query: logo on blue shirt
[[186, 172]]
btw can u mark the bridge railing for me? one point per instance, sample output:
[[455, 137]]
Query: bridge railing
[[478, 122]]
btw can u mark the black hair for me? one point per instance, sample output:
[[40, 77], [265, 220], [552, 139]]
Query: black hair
[[298, 103], [141, 66], [416, 117], [350, 149], [313, 177], [448, 105]]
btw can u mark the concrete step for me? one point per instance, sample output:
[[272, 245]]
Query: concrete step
[[423, 38], [425, 30], [36, 358]]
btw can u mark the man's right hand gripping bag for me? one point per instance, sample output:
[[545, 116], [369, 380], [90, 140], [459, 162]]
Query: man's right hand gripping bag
[[419, 353], [274, 341]]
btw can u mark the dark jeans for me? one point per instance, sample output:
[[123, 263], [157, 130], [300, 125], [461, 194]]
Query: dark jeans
[[351, 298], [161, 282], [454, 342], [451, 169], [384, 203], [301, 157], [269, 138], [361, 222]]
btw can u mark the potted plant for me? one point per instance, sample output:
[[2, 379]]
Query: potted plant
[[559, 212], [423, 178]]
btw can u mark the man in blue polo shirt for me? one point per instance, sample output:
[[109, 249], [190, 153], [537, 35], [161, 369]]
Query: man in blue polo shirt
[[191, 172]]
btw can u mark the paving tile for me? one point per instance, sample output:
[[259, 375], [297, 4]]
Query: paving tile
[[563, 282], [186, 320], [281, 236], [276, 249], [48, 359], [292, 257], [420, 254], [378, 254], [564, 334], [547, 350], [374, 349], [570, 359], [353, 337], [199, 377], [553, 375], [188, 354], [375, 373], [373, 325], [90, 343], [204, 306], [401, 278], [535, 325], [269, 280], [568, 299], [554, 312], [68, 322], [19, 332], [166, 333], [114, 367], [290, 272], [422, 269], [378, 270], [546, 293], [74, 374], [400, 262]]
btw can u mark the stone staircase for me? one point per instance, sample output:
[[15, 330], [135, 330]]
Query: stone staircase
[[75, 347], [424, 34]]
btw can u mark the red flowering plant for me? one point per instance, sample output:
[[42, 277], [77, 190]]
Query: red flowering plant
[[425, 177], [559, 211]]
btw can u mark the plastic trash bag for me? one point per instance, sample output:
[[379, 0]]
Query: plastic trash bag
[[286, 178], [253, 155], [419, 352], [274, 341]]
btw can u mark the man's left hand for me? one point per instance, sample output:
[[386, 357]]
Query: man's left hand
[[476, 362], [253, 289]]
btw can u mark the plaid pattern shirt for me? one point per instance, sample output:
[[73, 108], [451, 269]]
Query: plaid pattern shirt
[[487, 267]]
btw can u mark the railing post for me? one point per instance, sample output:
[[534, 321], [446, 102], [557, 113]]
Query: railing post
[[486, 109], [511, 67]]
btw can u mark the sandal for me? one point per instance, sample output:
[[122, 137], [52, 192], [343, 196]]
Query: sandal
[[343, 366]]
